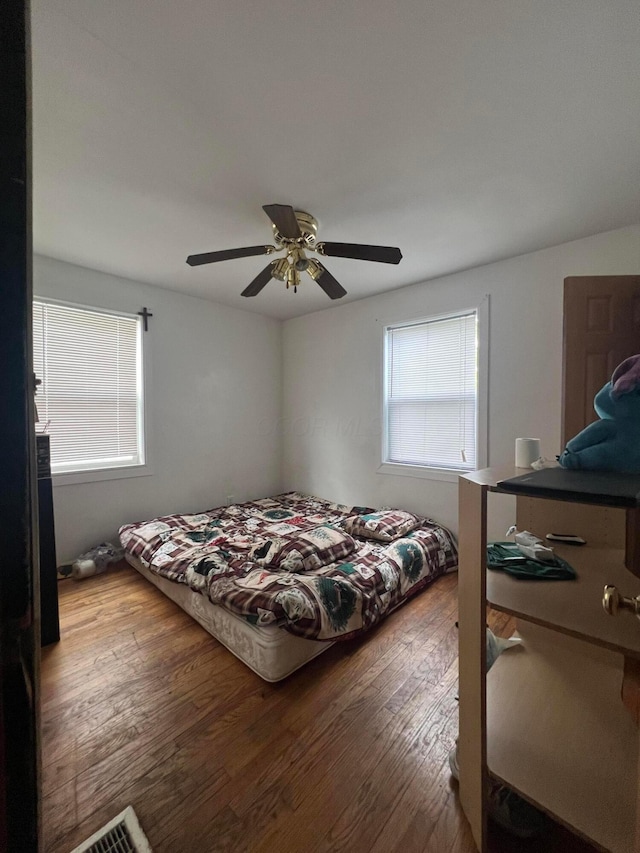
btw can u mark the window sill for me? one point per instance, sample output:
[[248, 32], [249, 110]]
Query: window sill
[[76, 477], [447, 475]]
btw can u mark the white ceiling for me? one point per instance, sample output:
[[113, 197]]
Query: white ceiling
[[462, 131]]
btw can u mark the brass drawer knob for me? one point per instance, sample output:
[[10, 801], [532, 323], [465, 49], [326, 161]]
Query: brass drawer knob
[[612, 602]]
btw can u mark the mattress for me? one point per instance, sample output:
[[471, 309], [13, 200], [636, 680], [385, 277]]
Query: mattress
[[278, 580], [270, 652]]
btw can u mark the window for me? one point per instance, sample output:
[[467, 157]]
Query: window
[[91, 397], [431, 396]]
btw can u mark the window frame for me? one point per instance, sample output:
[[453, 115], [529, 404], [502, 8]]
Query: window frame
[[144, 469], [481, 310]]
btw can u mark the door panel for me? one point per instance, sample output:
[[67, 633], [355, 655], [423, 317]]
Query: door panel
[[601, 329], [19, 627]]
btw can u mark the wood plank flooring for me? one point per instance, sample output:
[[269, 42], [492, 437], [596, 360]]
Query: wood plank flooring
[[140, 706]]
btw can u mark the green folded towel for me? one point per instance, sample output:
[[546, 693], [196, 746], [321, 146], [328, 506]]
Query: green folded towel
[[506, 557]]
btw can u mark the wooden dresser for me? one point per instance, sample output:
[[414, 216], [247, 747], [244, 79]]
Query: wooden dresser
[[548, 720]]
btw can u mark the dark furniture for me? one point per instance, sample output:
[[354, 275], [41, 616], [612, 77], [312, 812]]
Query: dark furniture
[[49, 621]]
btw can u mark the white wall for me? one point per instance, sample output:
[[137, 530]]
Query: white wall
[[332, 373], [216, 394], [220, 405]]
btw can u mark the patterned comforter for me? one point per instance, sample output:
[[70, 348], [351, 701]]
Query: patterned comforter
[[214, 552]]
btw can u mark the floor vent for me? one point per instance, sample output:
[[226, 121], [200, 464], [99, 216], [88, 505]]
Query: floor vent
[[123, 834]]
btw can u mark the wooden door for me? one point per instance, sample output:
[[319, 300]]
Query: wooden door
[[601, 329], [19, 628]]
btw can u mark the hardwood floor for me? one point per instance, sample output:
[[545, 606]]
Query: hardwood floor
[[140, 706]]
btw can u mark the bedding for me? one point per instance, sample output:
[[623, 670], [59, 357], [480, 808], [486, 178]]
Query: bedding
[[384, 525], [305, 551], [221, 553]]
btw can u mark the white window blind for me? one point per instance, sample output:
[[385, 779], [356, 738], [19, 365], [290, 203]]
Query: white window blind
[[90, 364], [431, 393]]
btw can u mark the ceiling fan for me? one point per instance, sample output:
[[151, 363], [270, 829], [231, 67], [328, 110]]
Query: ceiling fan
[[294, 232]]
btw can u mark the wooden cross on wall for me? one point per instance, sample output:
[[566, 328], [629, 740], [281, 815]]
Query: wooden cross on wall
[[145, 317]]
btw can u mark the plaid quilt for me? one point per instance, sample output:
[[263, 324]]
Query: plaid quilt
[[223, 554]]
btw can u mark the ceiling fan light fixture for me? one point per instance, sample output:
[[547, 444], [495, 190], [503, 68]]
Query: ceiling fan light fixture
[[315, 269], [280, 269], [293, 279], [298, 259]]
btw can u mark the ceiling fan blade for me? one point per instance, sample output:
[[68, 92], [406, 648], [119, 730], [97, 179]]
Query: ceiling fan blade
[[283, 217], [228, 254], [259, 281], [329, 284], [361, 252]]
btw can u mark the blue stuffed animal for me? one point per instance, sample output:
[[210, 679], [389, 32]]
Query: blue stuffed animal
[[613, 443]]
